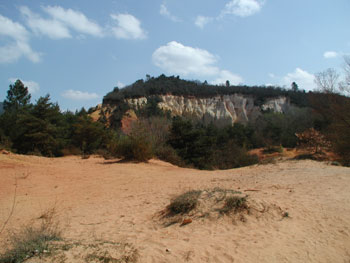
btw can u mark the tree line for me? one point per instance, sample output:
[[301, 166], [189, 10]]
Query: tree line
[[41, 128]]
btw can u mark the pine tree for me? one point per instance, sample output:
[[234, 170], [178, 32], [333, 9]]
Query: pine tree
[[17, 98]]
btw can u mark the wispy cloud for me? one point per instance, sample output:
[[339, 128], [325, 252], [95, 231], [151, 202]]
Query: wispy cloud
[[176, 58], [75, 20], [19, 42], [241, 8], [330, 54], [79, 95], [51, 28], [32, 86], [165, 12], [127, 27], [201, 21], [60, 22]]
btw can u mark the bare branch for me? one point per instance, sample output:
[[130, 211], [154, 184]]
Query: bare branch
[[12, 209], [327, 81]]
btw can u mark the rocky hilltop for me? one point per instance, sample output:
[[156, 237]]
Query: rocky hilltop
[[193, 99], [229, 108]]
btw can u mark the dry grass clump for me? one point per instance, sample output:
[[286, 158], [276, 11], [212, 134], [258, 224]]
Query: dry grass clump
[[197, 204], [42, 243], [32, 240], [234, 204], [184, 203], [95, 251]]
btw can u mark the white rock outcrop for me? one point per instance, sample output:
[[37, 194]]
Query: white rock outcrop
[[229, 108]]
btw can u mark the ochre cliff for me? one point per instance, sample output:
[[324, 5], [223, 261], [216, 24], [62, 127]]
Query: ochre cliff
[[227, 108]]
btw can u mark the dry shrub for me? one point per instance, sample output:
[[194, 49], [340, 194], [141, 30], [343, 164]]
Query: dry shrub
[[134, 149], [184, 203], [32, 240], [168, 154], [234, 204]]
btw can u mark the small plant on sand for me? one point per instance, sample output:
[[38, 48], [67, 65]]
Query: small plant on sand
[[31, 240], [285, 215], [234, 204], [273, 149], [184, 203]]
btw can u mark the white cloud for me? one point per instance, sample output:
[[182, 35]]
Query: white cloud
[[32, 86], [19, 46], [52, 28], [225, 75], [242, 8], [79, 95], [304, 79], [175, 58], [201, 21], [75, 20], [330, 54], [12, 29], [179, 59], [128, 27], [60, 23], [165, 12]]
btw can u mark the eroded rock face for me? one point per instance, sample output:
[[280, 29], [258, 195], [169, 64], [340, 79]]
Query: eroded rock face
[[228, 108]]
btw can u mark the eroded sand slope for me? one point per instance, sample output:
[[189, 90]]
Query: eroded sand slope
[[96, 199]]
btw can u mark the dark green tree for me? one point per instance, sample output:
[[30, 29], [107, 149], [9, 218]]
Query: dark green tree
[[17, 102], [17, 97], [39, 130], [88, 135], [294, 87]]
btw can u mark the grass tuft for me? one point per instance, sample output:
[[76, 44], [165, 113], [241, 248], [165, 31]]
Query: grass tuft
[[234, 204], [184, 203], [32, 240]]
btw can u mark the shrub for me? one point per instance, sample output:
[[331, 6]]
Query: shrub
[[235, 204], [134, 149], [168, 154], [233, 156], [184, 203], [32, 241]]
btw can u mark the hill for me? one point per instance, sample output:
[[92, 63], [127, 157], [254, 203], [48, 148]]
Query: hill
[[172, 85], [195, 100]]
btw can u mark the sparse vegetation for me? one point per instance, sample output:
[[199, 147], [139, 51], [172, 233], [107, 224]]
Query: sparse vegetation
[[184, 203], [206, 203], [234, 204], [32, 240], [273, 149]]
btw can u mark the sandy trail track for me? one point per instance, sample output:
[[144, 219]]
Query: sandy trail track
[[99, 199]]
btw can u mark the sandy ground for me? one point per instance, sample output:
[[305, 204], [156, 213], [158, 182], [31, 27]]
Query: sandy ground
[[97, 199]]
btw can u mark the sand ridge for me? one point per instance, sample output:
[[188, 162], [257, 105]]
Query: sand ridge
[[99, 199]]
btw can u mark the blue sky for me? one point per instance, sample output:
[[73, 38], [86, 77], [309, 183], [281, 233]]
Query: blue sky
[[77, 51]]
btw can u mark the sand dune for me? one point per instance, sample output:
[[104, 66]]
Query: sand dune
[[102, 200]]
